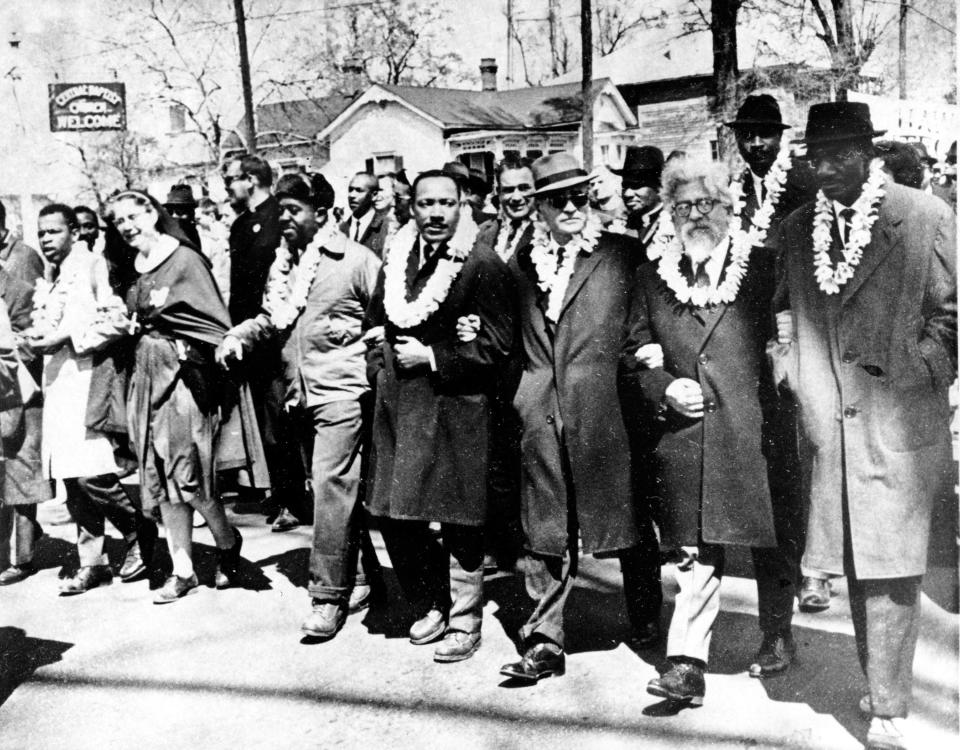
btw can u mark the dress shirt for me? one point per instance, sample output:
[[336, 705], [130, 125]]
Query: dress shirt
[[359, 226]]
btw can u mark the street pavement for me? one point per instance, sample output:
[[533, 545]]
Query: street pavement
[[230, 669]]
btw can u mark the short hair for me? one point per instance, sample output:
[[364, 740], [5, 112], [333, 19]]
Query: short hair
[[512, 162], [253, 166], [902, 161], [68, 214], [371, 178], [310, 188], [714, 176], [207, 203], [81, 209], [431, 174]]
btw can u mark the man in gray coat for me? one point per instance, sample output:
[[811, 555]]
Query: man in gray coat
[[869, 348]]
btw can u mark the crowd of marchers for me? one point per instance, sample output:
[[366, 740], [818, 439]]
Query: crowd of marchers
[[703, 360]]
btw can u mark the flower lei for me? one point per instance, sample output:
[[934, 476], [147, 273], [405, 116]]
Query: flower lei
[[866, 208], [49, 302], [502, 248], [726, 292], [283, 300], [406, 314], [552, 277]]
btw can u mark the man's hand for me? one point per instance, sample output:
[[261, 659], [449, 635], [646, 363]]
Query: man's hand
[[468, 327], [38, 344], [786, 327], [685, 397], [410, 353], [650, 356], [373, 337], [229, 351]]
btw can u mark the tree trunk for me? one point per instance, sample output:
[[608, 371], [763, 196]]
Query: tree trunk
[[723, 29], [250, 126]]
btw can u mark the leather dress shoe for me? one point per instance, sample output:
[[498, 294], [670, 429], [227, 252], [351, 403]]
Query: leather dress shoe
[[16, 573], [777, 652], [88, 577], [175, 588], [134, 568], [541, 660], [285, 521], [456, 646], [645, 636], [682, 684], [428, 628], [814, 595], [886, 733], [228, 561], [325, 619]]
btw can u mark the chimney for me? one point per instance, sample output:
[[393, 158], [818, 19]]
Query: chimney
[[488, 74], [353, 75]]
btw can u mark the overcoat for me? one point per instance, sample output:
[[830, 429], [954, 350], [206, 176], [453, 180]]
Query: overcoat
[[710, 473], [567, 403], [429, 452], [871, 366]]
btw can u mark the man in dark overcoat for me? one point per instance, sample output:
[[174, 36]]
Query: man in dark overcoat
[[706, 303], [870, 279], [574, 283], [432, 410]]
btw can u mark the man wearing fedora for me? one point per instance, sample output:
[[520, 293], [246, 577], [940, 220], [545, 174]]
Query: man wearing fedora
[[871, 345], [574, 286], [183, 207], [640, 188]]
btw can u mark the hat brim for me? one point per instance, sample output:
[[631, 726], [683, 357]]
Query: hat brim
[[842, 137], [751, 123], [638, 173], [569, 182]]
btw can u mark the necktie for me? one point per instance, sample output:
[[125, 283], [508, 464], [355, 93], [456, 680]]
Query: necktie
[[847, 215], [701, 278], [356, 229], [512, 234]]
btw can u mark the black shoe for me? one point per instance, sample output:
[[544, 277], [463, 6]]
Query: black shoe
[[541, 660], [228, 561], [645, 636], [683, 684], [285, 521], [175, 588], [86, 578], [777, 652], [16, 573], [814, 594]]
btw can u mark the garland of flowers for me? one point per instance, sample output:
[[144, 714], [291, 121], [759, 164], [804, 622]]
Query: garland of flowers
[[406, 314], [726, 292], [552, 277], [283, 300], [49, 302], [504, 234], [866, 209]]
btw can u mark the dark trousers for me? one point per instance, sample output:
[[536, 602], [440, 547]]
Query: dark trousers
[[503, 532], [280, 444], [331, 441], [91, 501], [446, 575]]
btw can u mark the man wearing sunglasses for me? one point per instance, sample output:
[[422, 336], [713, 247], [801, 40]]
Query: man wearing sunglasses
[[640, 188], [574, 283]]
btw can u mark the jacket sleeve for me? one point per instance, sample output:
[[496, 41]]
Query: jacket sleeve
[[252, 331], [495, 301], [641, 388], [375, 316], [938, 339]]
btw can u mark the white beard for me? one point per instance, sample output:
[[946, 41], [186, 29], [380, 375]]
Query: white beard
[[698, 247]]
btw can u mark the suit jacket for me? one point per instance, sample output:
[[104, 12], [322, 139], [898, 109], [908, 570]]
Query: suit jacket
[[21, 261], [798, 190], [567, 402], [870, 367], [428, 457], [710, 474], [254, 238], [375, 236]]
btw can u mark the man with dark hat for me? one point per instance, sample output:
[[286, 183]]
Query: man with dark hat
[[870, 347], [640, 188], [574, 285], [324, 379], [182, 206], [473, 189]]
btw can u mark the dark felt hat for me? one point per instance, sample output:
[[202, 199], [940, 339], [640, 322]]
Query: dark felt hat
[[180, 195], [557, 172], [922, 152], [642, 164], [758, 110], [831, 122], [468, 178]]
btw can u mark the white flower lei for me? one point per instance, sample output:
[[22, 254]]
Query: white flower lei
[[406, 314], [544, 254], [282, 300], [866, 208], [49, 302]]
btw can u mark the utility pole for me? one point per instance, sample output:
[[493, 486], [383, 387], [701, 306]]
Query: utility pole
[[902, 68], [509, 44], [552, 21], [586, 86], [250, 126]]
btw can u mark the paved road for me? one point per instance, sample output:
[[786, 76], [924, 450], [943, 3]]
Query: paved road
[[229, 669]]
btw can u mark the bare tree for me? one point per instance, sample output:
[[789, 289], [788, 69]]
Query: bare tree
[[114, 160], [615, 22]]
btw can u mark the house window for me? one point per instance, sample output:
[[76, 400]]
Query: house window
[[534, 153], [386, 163], [715, 150], [178, 118]]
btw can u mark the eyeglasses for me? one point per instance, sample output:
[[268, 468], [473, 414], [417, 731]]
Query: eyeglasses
[[229, 179], [559, 200], [704, 206]]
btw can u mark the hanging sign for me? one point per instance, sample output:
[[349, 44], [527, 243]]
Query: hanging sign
[[87, 106]]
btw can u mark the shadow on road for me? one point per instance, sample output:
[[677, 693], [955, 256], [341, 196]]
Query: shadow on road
[[21, 656]]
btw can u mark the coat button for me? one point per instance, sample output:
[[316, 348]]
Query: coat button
[[849, 412], [703, 359], [550, 419], [710, 406], [849, 356]]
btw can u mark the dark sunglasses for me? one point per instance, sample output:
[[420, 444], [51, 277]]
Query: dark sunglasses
[[559, 200]]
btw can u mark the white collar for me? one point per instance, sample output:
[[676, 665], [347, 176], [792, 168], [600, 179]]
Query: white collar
[[166, 246]]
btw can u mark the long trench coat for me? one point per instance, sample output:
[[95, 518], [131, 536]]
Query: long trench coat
[[429, 452], [870, 367], [710, 473], [568, 406]]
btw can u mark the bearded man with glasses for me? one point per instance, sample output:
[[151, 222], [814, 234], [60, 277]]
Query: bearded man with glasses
[[574, 282]]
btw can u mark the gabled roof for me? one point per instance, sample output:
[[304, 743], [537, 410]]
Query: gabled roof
[[297, 119]]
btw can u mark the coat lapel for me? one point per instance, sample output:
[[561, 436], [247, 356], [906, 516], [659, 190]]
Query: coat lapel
[[581, 271], [883, 240]]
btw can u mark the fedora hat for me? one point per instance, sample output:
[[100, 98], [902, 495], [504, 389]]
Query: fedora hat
[[642, 164], [831, 122], [180, 195], [758, 110], [557, 172]]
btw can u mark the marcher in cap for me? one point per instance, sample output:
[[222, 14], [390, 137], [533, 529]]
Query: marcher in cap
[[182, 206], [640, 188], [867, 338]]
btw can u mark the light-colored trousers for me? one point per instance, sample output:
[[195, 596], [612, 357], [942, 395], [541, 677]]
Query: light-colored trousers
[[698, 574]]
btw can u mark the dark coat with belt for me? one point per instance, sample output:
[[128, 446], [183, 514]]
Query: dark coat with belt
[[574, 438], [429, 450], [870, 367], [711, 474]]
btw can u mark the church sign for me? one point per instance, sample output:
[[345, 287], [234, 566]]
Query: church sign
[[87, 106]]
